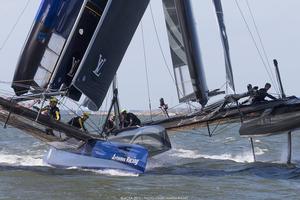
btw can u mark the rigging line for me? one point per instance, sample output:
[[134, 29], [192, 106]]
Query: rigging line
[[161, 50], [15, 25], [6, 92], [159, 112], [215, 128], [261, 42], [19, 81], [223, 85], [255, 44], [91, 123], [146, 68], [96, 127], [108, 96], [104, 107], [225, 127]]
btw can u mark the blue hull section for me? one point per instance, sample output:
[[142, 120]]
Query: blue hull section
[[133, 155], [98, 154]]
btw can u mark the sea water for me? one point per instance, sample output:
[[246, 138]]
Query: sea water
[[197, 167]]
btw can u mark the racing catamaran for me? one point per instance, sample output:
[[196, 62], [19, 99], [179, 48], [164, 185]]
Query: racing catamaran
[[263, 118], [69, 52], [75, 48]]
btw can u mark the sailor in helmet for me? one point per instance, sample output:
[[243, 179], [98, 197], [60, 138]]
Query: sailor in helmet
[[129, 119], [110, 124], [78, 121], [52, 110]]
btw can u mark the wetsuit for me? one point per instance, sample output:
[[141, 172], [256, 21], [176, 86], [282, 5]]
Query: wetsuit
[[77, 122], [131, 120], [52, 112], [261, 94], [251, 93], [110, 124]]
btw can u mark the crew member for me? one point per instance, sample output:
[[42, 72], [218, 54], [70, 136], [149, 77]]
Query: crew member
[[78, 121], [252, 91], [110, 124], [164, 107], [262, 93], [129, 119], [52, 110]]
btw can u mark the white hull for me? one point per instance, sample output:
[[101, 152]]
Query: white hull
[[66, 159]]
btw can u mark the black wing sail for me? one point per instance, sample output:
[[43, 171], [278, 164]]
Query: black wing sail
[[76, 46], [107, 48], [185, 51], [219, 12], [50, 30]]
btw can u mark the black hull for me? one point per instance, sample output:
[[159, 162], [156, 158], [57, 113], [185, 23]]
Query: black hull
[[273, 121], [288, 107]]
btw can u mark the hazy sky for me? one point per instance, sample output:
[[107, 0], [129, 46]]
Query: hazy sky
[[278, 23]]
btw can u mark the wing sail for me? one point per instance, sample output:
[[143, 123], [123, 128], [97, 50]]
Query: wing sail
[[185, 51], [50, 30], [220, 17], [107, 48]]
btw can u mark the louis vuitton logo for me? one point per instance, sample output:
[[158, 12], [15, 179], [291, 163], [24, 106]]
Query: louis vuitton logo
[[101, 62]]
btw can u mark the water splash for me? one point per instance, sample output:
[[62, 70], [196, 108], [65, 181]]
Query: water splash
[[184, 153], [245, 157], [21, 160], [242, 157], [112, 172], [184, 156], [260, 151]]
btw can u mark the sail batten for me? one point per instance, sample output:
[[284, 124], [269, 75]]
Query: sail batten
[[224, 38], [185, 51]]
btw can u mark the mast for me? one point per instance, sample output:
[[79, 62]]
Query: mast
[[279, 79], [222, 28], [185, 51], [116, 103]]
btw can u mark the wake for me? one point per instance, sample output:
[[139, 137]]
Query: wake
[[177, 157]]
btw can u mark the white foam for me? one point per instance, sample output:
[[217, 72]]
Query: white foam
[[112, 172], [171, 158], [185, 156], [242, 158], [21, 160], [184, 153], [259, 151]]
